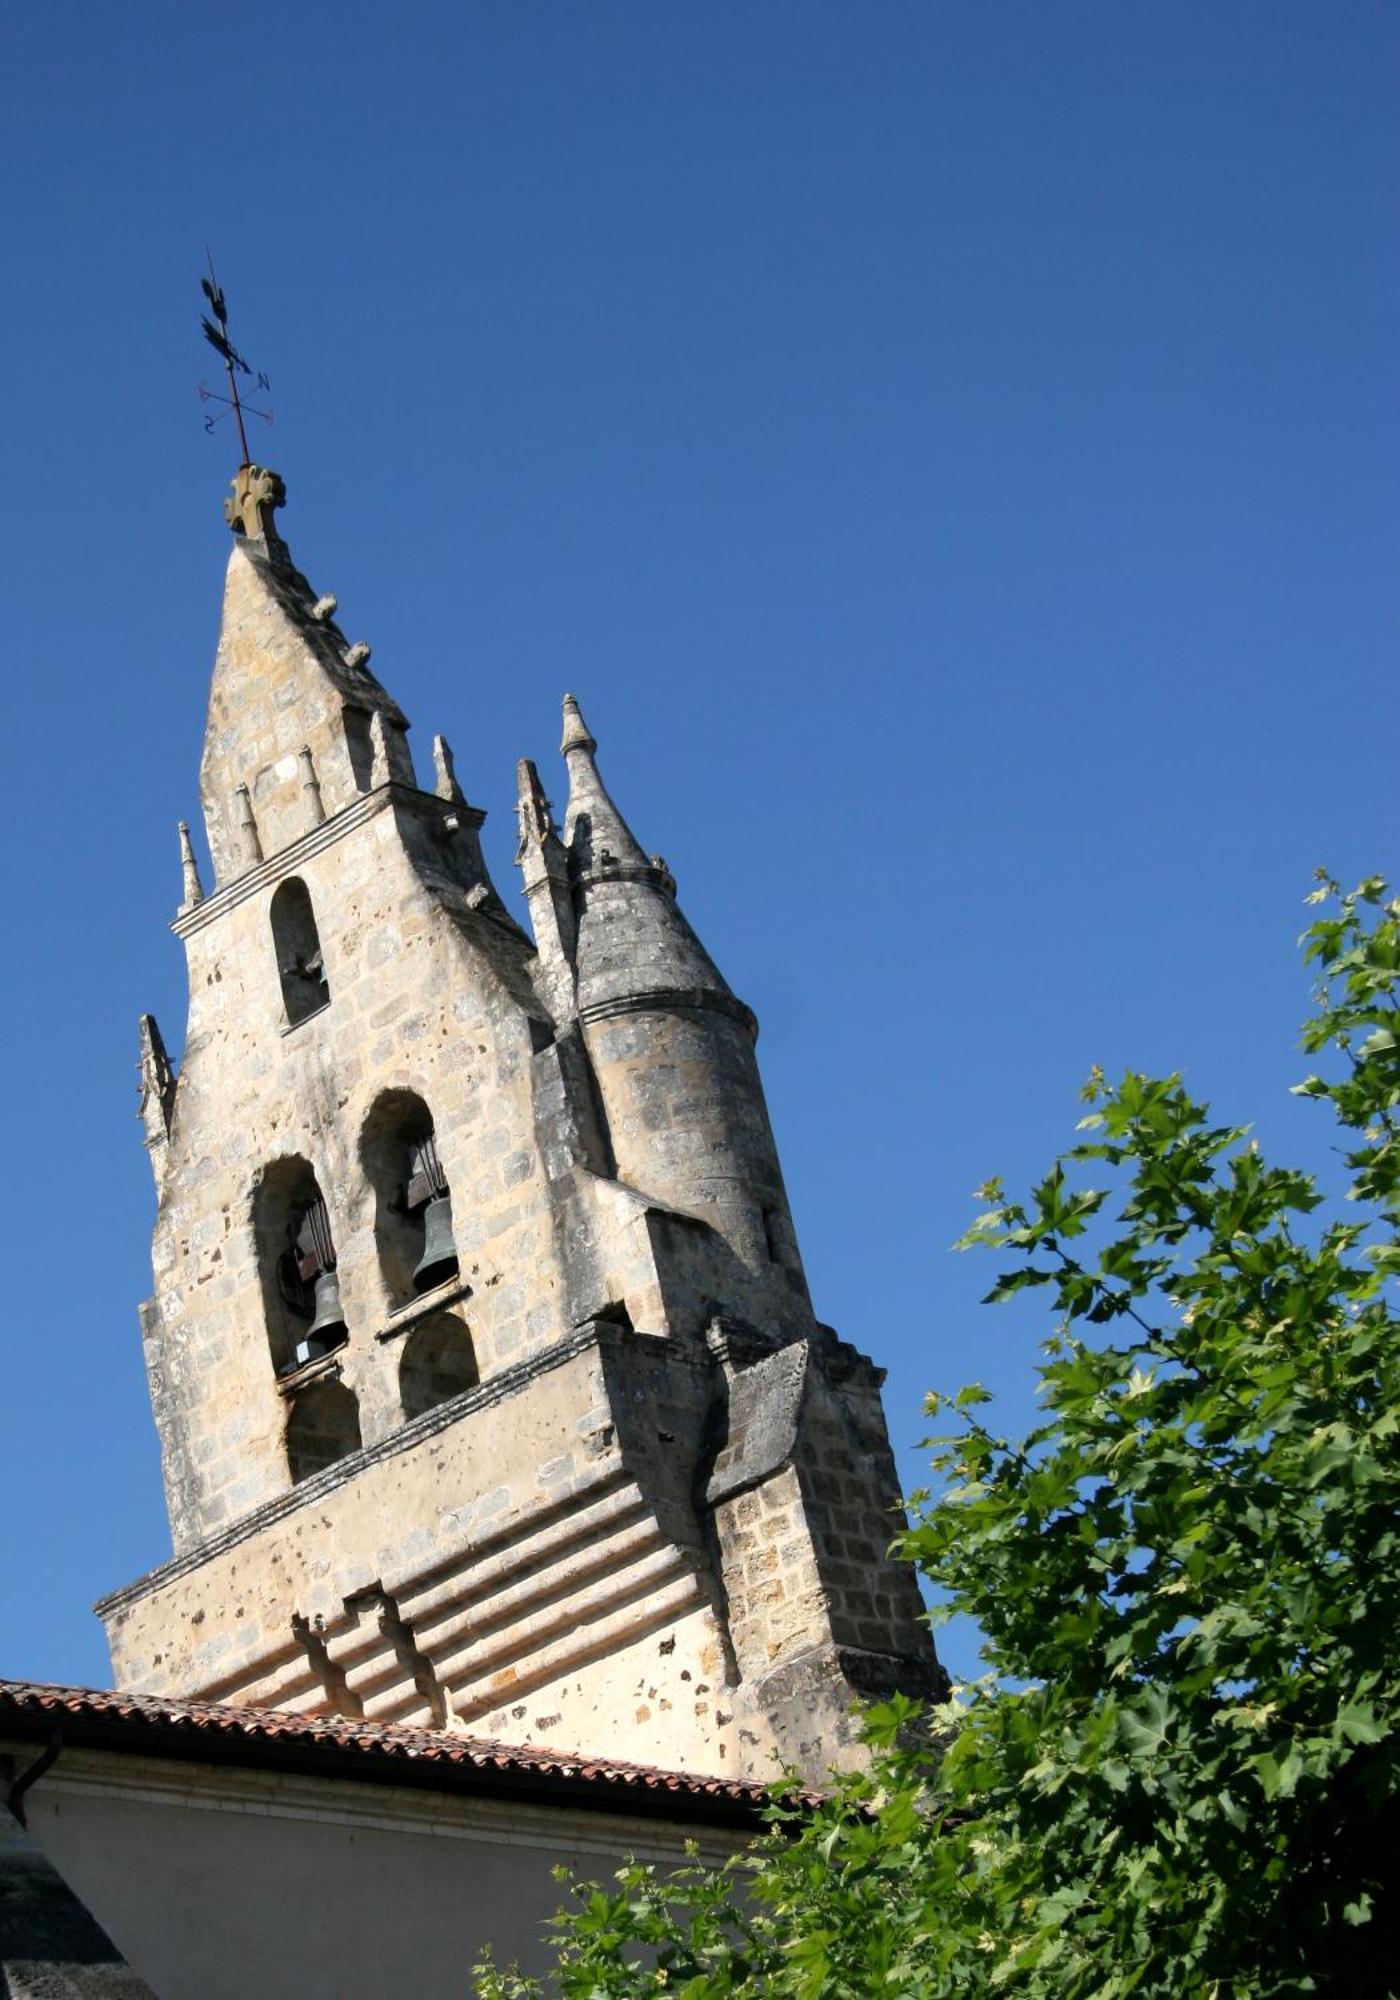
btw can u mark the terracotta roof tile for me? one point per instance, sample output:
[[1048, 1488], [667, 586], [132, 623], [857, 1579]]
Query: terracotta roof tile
[[194, 1728]]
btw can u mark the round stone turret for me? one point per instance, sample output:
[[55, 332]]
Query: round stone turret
[[671, 1045]]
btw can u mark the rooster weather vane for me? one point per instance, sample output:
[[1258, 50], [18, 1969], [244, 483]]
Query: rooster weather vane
[[216, 333]]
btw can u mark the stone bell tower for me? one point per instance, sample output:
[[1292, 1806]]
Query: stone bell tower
[[489, 1391]]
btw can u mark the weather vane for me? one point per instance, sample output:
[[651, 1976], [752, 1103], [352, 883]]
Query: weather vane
[[216, 333]]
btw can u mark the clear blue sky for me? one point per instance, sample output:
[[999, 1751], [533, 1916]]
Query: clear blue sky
[[950, 450]]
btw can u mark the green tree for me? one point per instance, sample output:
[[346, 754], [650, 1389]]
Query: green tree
[[1181, 1774]]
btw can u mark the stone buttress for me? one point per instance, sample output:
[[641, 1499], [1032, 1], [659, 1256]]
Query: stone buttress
[[488, 1386]]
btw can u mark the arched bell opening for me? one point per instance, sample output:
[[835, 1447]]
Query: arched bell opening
[[297, 943], [297, 1265], [323, 1425], [438, 1363], [412, 1200]]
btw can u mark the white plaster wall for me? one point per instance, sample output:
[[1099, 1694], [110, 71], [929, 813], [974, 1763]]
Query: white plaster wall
[[220, 1884]]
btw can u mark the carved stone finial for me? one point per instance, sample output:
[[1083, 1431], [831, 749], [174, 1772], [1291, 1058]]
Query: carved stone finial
[[189, 868], [256, 495], [156, 1083], [248, 826], [576, 732], [379, 772], [445, 772], [544, 871], [324, 608], [532, 809], [357, 655], [310, 786], [597, 836]]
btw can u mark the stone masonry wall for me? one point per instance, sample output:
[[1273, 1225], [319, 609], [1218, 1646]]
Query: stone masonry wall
[[428, 995], [688, 1123], [284, 680]]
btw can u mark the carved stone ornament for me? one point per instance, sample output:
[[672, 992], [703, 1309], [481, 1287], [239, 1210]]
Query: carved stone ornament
[[256, 494]]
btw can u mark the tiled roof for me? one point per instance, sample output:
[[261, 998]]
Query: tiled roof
[[389, 1752]]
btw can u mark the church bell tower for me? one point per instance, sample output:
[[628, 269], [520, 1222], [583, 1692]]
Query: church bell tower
[[489, 1390]]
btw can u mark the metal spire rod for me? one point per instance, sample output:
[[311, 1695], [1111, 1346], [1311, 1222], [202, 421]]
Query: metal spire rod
[[217, 335]]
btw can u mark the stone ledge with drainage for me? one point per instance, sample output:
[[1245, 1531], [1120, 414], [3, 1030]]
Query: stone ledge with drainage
[[311, 1371], [448, 1294]]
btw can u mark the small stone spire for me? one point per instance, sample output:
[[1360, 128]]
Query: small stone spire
[[445, 773], [632, 940], [544, 871], [576, 731], [248, 827], [595, 832], [533, 811], [189, 869], [379, 771], [156, 1082], [310, 786]]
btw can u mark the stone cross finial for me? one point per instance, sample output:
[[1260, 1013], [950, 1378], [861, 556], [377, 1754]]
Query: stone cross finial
[[256, 495]]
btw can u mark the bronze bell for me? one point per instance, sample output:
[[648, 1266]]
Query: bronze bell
[[328, 1328], [438, 1262]]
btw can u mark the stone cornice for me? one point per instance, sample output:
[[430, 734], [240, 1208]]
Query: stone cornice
[[664, 998], [314, 841], [510, 1382], [599, 874]]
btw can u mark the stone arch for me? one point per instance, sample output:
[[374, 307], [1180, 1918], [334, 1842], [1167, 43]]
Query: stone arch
[[359, 745], [297, 943], [412, 1205], [323, 1425], [438, 1362], [295, 1253]]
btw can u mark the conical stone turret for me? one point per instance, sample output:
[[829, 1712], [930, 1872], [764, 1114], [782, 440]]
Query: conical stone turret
[[633, 941], [672, 1048]]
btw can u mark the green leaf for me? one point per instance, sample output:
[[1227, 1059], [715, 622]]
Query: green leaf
[[1360, 1722], [1176, 1775]]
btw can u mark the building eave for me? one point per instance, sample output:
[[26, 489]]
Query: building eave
[[373, 1753]]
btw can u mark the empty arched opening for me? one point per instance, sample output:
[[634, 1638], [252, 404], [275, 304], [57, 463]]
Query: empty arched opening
[[297, 943], [323, 1425], [438, 1362], [359, 744], [412, 1201], [296, 1265], [779, 1237]]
